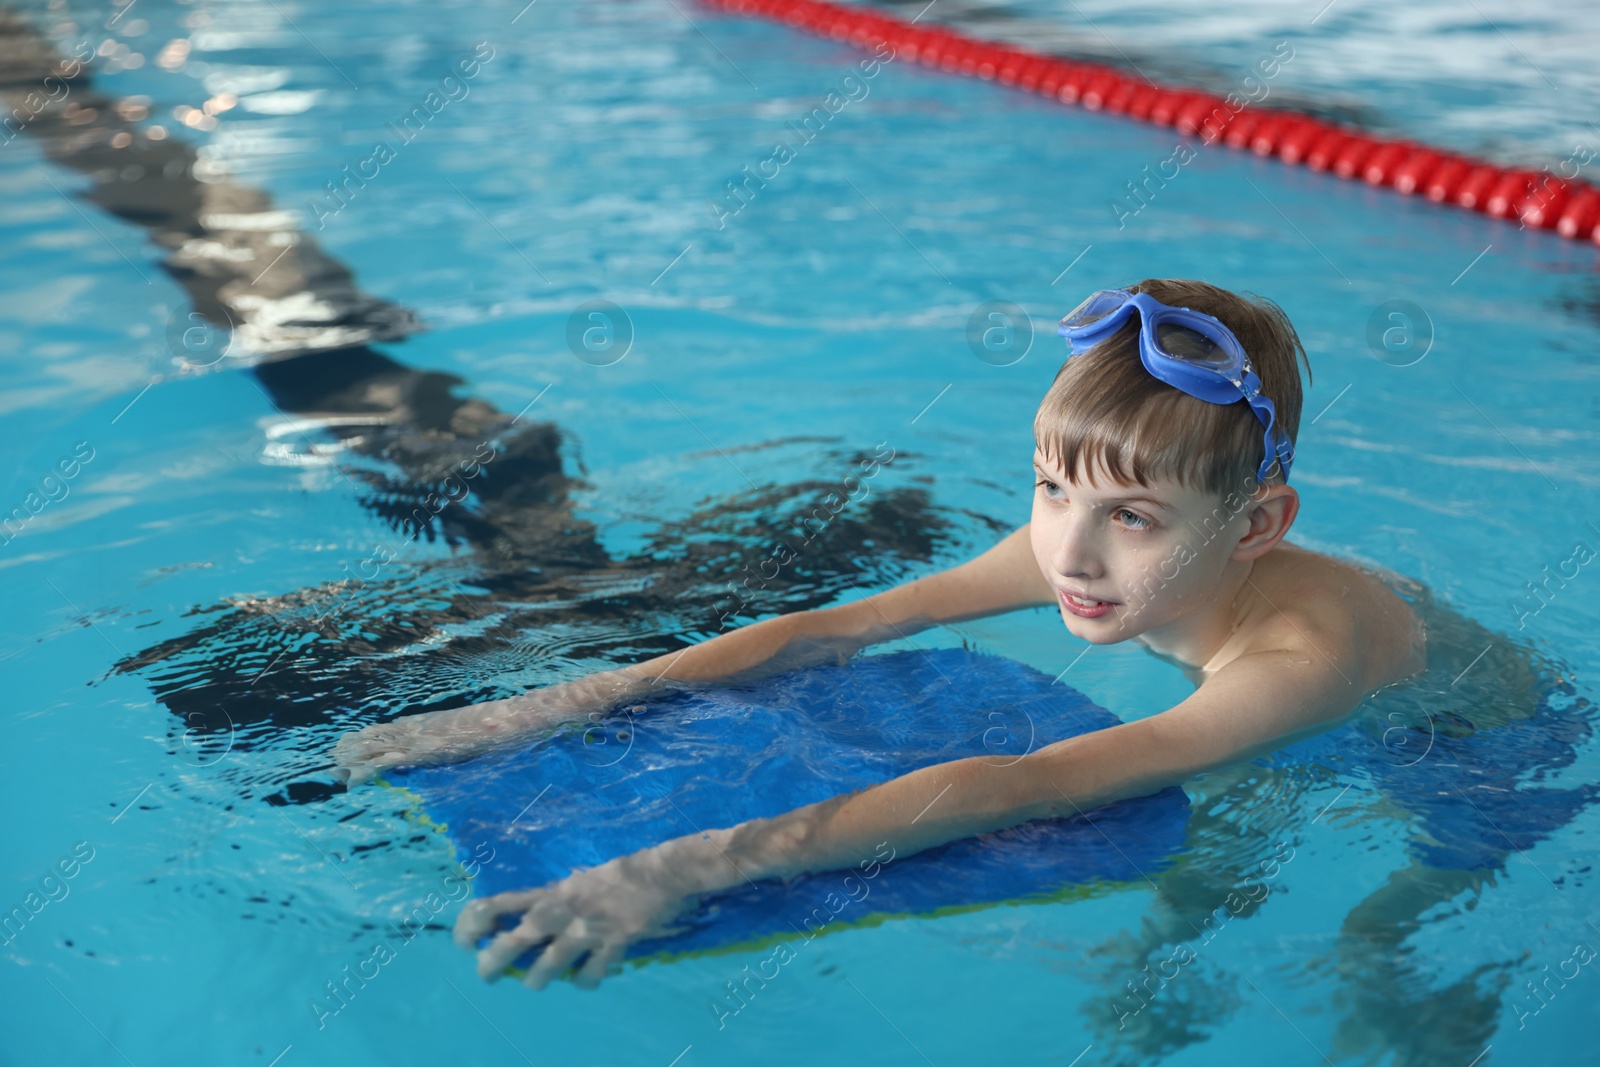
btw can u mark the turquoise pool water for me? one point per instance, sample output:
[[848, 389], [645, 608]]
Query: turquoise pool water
[[178, 657]]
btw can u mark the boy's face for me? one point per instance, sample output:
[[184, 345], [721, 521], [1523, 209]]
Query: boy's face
[[1129, 560]]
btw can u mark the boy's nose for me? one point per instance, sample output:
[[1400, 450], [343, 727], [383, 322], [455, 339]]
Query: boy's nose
[[1077, 556]]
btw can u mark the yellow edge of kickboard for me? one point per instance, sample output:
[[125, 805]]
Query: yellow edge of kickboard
[[878, 918], [414, 813]]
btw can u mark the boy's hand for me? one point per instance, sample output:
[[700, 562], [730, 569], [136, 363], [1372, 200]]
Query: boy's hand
[[462, 733], [600, 910], [434, 737]]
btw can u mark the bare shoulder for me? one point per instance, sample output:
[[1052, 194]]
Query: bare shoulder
[[1335, 612]]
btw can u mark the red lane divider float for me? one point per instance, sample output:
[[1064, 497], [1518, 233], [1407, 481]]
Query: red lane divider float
[[1539, 199]]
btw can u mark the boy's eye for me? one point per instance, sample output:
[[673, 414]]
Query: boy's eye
[[1132, 519], [1050, 488]]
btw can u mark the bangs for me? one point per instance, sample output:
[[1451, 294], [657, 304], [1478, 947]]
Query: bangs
[[1105, 415]]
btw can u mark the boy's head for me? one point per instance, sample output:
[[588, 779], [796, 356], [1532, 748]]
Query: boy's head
[[1106, 414], [1148, 511]]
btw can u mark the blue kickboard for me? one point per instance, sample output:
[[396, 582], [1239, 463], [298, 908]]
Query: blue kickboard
[[686, 761]]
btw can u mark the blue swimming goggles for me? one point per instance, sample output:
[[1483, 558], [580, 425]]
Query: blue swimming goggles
[[1188, 351]]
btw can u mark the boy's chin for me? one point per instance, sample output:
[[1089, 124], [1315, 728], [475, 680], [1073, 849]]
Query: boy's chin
[[1106, 630]]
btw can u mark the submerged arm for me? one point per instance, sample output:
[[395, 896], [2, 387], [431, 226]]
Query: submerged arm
[[1002, 579], [1255, 704]]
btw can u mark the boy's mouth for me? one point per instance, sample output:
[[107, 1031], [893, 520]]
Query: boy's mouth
[[1085, 607]]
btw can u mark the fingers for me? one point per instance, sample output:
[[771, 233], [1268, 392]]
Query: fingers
[[357, 743], [598, 964], [555, 960], [478, 918], [545, 918], [397, 736], [360, 772], [353, 749], [361, 754], [555, 928], [505, 949]]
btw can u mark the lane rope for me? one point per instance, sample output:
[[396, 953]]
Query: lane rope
[[1537, 198]]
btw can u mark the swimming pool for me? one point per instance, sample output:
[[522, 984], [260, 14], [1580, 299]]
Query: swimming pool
[[171, 702]]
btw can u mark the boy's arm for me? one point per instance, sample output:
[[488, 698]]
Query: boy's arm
[[1255, 704], [1004, 578]]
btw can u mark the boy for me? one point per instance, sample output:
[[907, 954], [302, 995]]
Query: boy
[[1160, 507]]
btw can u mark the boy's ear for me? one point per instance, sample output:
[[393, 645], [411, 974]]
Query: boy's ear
[[1271, 514]]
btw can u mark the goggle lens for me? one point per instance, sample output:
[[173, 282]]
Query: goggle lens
[[1191, 346], [1097, 307]]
